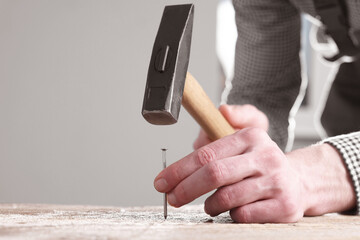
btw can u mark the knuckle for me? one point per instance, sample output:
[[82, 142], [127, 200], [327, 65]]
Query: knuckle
[[180, 194], [277, 183], [249, 108], [258, 118], [224, 199], [277, 186], [263, 121], [272, 158], [205, 155], [289, 208], [175, 172], [253, 134], [241, 215], [216, 173]]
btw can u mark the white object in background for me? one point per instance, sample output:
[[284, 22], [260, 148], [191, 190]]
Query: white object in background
[[307, 118], [226, 35]]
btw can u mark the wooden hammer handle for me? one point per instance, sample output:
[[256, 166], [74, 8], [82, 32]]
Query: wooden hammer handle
[[199, 105]]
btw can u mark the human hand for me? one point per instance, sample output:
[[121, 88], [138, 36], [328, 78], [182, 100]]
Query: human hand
[[253, 178], [257, 182], [239, 117]]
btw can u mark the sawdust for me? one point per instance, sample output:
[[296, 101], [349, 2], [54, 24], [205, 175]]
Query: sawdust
[[24, 221], [31, 215], [17, 221]]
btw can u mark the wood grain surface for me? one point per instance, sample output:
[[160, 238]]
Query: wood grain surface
[[28, 221]]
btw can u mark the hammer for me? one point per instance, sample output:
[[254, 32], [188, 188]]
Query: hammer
[[168, 82]]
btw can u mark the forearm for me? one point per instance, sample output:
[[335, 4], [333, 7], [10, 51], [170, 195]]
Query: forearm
[[326, 183]]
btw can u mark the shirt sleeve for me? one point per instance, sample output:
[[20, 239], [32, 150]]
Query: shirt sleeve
[[267, 64], [348, 146]]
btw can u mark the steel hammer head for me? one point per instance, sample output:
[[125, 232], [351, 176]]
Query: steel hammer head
[[168, 66]]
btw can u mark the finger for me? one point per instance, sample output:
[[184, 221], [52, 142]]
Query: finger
[[242, 116], [266, 211], [212, 176], [238, 194], [228, 146], [202, 140]]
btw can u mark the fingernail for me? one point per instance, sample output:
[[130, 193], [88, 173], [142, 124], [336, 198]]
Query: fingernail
[[172, 199], [161, 184]]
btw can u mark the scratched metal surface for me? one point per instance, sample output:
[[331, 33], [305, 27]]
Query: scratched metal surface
[[28, 221]]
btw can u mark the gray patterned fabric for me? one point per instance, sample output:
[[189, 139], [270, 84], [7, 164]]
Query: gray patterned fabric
[[267, 67]]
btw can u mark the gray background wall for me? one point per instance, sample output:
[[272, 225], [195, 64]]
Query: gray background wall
[[72, 77]]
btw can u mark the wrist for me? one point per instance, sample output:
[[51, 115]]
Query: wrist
[[325, 182]]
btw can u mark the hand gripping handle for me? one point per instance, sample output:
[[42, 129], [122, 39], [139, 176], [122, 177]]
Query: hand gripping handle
[[200, 107]]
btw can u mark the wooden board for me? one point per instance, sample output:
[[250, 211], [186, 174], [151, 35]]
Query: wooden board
[[28, 221]]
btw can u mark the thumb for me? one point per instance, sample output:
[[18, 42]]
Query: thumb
[[243, 116]]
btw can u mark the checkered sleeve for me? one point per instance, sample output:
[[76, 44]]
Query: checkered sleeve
[[348, 146]]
